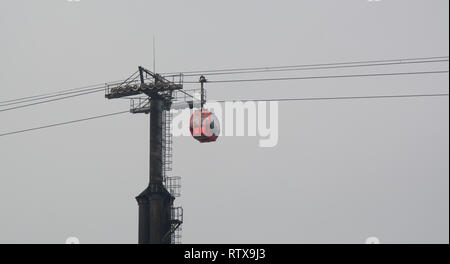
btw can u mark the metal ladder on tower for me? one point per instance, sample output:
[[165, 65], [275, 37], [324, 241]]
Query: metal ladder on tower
[[167, 143], [172, 183]]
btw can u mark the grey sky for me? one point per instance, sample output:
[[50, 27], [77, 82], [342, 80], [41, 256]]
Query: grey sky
[[342, 170]]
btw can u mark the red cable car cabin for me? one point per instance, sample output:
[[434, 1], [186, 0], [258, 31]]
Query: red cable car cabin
[[204, 126]]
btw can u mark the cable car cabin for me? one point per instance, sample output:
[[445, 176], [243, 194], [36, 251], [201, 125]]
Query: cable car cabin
[[204, 126]]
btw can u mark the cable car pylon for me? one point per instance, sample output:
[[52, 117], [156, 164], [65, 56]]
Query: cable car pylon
[[159, 221]]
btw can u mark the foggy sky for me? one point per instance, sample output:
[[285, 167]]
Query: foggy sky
[[342, 170]]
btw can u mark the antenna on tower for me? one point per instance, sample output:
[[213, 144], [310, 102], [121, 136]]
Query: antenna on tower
[[154, 54]]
